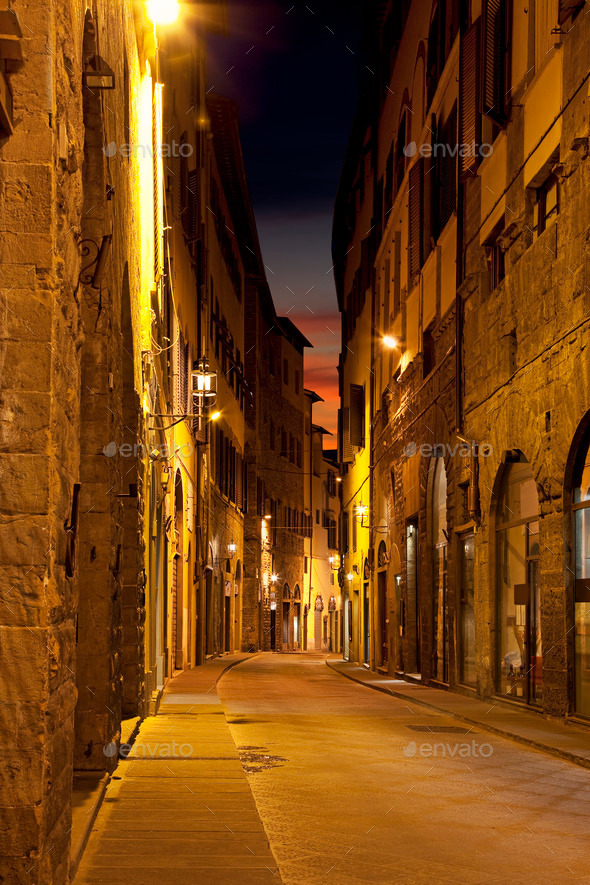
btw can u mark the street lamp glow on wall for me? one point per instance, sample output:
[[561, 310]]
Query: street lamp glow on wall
[[163, 12]]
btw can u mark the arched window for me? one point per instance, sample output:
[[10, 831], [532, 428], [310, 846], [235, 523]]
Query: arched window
[[581, 509], [439, 550], [520, 673]]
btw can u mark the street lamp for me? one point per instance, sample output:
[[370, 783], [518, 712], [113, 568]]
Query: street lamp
[[274, 578], [204, 383], [390, 341], [163, 12]]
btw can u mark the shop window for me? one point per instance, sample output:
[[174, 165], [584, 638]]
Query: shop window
[[440, 540], [581, 508], [520, 665]]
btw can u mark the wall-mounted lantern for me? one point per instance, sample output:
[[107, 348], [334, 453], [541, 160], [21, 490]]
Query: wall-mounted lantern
[[165, 477], [232, 548], [204, 383]]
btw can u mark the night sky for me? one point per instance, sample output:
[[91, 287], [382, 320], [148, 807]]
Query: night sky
[[292, 70]]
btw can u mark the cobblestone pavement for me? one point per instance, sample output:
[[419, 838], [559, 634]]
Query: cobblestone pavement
[[354, 786]]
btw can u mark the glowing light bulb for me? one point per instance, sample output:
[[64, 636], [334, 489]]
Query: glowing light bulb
[[215, 416], [389, 341]]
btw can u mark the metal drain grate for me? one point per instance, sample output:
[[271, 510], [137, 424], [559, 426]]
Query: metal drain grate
[[441, 729]]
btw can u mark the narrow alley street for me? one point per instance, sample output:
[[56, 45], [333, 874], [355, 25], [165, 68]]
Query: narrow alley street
[[389, 791]]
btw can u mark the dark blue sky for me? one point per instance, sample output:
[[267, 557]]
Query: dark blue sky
[[292, 70]]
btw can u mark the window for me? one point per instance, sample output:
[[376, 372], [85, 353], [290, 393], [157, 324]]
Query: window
[[291, 448], [469, 114], [332, 534], [494, 68], [357, 415], [547, 206], [298, 450], [439, 550], [345, 539], [520, 665], [400, 154], [317, 517], [284, 443], [495, 257], [272, 435], [436, 51], [285, 371], [428, 351], [306, 565], [416, 225], [331, 481], [296, 381], [446, 172], [497, 265]]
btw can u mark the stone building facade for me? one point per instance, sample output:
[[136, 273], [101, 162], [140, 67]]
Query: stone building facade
[[276, 523], [125, 281], [461, 233]]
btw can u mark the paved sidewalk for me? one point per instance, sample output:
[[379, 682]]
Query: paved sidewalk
[[179, 809], [567, 741]]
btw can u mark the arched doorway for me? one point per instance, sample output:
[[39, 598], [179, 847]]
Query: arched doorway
[[286, 615], [519, 650], [238, 605], [178, 575], [297, 617], [227, 608], [439, 543], [580, 507], [366, 615], [382, 632]]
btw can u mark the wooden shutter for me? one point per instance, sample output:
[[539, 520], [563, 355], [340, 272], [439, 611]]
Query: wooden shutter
[[493, 16], [239, 481], [447, 178], [415, 249], [346, 446], [357, 415], [429, 199], [192, 213], [218, 456], [469, 112]]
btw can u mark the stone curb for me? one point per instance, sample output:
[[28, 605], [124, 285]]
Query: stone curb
[[549, 749], [91, 818], [232, 664]]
